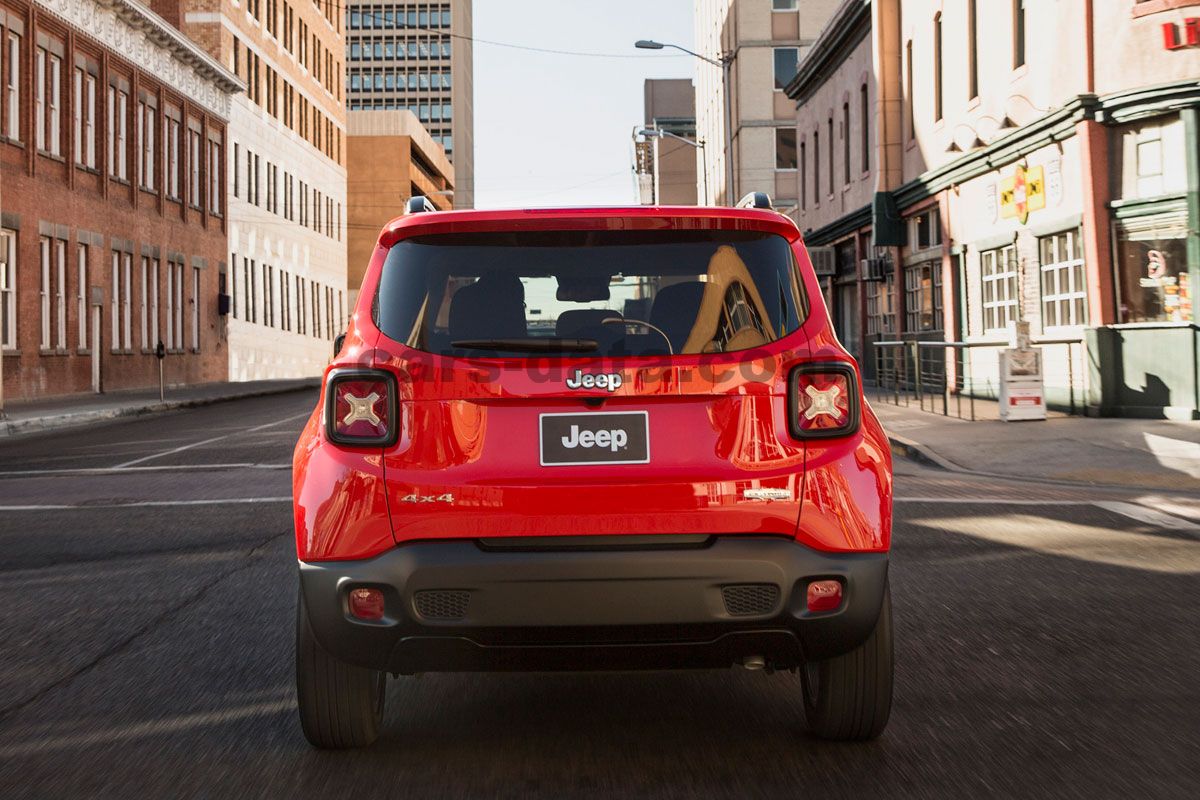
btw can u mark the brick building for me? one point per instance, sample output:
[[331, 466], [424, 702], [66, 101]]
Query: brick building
[[112, 199]]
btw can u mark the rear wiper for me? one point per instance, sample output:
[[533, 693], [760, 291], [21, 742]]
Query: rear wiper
[[533, 344]]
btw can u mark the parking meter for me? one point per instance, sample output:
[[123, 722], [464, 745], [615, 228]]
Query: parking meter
[[160, 352]]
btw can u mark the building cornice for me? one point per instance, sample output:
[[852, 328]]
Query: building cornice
[[845, 29], [132, 30], [1110, 109]]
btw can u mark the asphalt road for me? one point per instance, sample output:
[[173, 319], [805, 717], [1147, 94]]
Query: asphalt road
[[1047, 645]]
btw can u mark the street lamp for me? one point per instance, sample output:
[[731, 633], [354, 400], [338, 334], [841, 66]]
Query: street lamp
[[656, 133], [725, 62]]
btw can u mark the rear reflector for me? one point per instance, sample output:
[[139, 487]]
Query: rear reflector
[[824, 595], [823, 400], [366, 604], [361, 408]]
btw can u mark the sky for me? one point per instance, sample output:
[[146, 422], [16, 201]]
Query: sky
[[556, 129]]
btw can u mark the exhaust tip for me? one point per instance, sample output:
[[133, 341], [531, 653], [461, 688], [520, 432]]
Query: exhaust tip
[[754, 663]]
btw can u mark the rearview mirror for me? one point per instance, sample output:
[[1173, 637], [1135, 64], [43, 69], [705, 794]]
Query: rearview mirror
[[338, 341]]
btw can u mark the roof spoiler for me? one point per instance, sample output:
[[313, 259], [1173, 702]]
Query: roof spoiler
[[419, 204], [754, 200]]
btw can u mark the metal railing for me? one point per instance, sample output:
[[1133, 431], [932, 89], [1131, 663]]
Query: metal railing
[[911, 371]]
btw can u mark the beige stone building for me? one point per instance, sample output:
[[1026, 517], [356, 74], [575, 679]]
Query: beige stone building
[[766, 39], [390, 157], [968, 166]]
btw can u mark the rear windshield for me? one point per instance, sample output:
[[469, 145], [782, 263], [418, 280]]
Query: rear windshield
[[573, 293]]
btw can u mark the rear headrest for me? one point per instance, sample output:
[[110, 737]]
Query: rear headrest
[[571, 324], [491, 308], [675, 309]]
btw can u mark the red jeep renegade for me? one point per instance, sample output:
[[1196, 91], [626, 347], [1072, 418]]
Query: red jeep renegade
[[592, 439]]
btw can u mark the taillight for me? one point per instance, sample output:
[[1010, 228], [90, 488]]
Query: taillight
[[823, 400], [361, 408]]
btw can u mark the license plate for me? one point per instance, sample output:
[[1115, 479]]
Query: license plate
[[602, 438]]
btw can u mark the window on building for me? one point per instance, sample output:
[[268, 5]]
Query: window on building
[[830, 148], [786, 59], [155, 325], [84, 115], [1152, 269], [301, 309], [250, 289], [881, 306], [998, 270], [785, 5], [268, 285], [972, 50], [175, 294], [147, 123], [816, 167], [53, 293], [926, 230], [144, 305], [194, 154], [8, 289], [937, 67], [803, 161], [846, 142], [115, 304], [865, 110], [174, 163], [48, 102], [785, 148], [170, 343], [45, 291], [1018, 33], [11, 62], [81, 295], [118, 130], [196, 309], [122, 301], [1064, 288], [60, 294], [214, 176], [923, 297]]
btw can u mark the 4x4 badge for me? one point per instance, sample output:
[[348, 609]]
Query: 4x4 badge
[[427, 498], [605, 380]]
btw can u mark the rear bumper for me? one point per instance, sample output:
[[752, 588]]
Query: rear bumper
[[465, 605]]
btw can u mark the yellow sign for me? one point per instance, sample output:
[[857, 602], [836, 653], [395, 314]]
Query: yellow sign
[[1024, 192]]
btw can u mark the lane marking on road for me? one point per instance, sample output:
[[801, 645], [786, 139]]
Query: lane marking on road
[[149, 504], [1134, 511], [181, 448], [149, 728], [34, 473]]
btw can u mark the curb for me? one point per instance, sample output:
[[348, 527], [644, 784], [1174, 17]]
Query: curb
[[907, 448], [14, 428]]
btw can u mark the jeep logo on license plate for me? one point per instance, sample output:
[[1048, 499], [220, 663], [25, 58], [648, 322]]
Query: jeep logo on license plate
[[579, 439]]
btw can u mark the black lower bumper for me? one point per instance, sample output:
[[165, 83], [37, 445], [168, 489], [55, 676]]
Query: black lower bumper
[[464, 605]]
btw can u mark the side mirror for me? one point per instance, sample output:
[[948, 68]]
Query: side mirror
[[338, 341]]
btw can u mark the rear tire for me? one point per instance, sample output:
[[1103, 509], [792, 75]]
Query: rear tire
[[340, 705], [849, 697]]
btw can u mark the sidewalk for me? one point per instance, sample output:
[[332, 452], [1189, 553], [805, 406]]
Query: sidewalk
[[1130, 453], [32, 416]]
